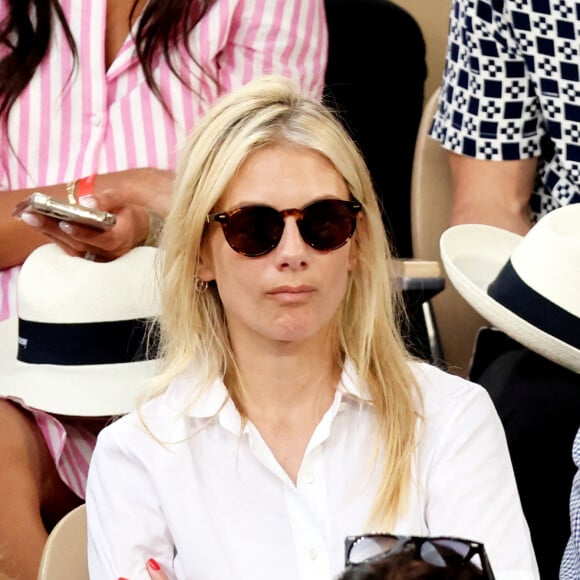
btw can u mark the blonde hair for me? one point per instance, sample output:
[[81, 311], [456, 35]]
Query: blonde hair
[[267, 111]]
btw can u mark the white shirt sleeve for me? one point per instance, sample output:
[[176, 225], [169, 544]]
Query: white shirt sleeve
[[125, 524], [466, 463]]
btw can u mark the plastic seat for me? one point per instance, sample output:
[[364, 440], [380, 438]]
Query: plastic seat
[[65, 553]]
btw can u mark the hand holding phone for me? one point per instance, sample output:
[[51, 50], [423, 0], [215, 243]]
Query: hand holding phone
[[43, 204]]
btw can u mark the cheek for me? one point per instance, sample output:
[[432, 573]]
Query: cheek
[[236, 279], [338, 275]]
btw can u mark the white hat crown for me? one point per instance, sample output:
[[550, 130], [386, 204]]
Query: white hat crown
[[528, 286], [548, 258]]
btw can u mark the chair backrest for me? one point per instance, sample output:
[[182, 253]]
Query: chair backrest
[[431, 200], [433, 18], [374, 80], [65, 553]]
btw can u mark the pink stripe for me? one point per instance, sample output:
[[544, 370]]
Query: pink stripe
[[85, 42], [229, 55], [45, 120], [302, 63], [250, 39], [272, 36], [24, 135], [165, 82], [129, 120], [205, 91], [66, 66], [292, 36], [188, 97], [5, 277], [319, 57], [148, 120], [75, 466], [52, 432], [110, 141]]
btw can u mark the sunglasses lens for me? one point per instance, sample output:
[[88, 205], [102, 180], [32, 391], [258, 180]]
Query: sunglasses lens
[[429, 553], [461, 548], [328, 224], [370, 547], [254, 230]]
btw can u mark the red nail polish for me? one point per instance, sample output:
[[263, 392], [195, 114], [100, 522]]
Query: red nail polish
[[122, 578], [153, 564]]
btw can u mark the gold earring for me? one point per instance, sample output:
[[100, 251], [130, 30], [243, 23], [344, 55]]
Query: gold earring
[[201, 285]]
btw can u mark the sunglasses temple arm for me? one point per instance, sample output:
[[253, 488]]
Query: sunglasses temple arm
[[486, 565]]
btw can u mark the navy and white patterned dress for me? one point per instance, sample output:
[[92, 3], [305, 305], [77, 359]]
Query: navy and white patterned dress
[[570, 569], [511, 90]]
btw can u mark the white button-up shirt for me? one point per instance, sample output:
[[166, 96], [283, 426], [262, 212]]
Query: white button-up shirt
[[207, 499]]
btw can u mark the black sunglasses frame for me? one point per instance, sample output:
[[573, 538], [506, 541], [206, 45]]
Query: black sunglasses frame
[[223, 218], [403, 541]]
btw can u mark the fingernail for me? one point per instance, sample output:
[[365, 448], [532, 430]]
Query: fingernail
[[66, 228], [153, 564], [30, 219], [123, 578], [88, 201]]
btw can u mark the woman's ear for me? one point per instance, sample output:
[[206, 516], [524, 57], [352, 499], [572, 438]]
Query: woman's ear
[[205, 265]]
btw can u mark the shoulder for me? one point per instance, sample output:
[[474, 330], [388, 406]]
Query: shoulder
[[449, 394], [433, 380], [144, 428]]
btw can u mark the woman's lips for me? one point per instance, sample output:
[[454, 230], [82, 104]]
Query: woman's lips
[[292, 293]]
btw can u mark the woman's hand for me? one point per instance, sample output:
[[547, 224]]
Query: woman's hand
[[154, 570], [131, 229], [131, 195]]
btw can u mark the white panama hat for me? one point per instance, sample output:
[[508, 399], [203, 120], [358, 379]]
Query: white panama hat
[[527, 286], [78, 347]]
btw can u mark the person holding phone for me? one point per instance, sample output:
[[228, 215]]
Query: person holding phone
[[96, 99], [109, 92], [287, 413]]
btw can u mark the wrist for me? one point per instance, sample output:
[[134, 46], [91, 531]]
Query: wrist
[[155, 227]]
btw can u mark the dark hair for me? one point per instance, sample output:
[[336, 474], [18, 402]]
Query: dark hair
[[405, 566], [27, 30]]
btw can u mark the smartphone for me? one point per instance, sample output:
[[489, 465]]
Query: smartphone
[[61, 210]]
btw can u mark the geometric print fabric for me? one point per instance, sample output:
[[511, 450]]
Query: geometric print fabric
[[511, 90]]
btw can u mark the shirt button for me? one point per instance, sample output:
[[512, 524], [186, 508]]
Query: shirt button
[[308, 477], [96, 120], [312, 553]]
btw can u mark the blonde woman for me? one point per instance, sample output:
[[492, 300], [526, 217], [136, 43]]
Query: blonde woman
[[287, 413]]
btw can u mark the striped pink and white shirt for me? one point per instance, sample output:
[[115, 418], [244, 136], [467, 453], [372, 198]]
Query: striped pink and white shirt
[[109, 120]]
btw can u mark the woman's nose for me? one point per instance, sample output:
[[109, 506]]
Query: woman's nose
[[292, 249]]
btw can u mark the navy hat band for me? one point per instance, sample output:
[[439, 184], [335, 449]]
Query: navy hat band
[[512, 292], [93, 343]]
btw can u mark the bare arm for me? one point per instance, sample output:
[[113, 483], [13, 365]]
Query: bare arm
[[492, 192], [128, 193], [17, 240]]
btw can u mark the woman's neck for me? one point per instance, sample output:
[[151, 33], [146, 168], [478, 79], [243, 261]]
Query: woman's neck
[[277, 376], [285, 395]]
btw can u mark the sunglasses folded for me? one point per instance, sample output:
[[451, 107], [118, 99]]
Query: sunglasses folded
[[439, 552]]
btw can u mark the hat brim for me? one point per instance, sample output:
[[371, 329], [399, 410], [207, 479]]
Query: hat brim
[[83, 391], [473, 256]]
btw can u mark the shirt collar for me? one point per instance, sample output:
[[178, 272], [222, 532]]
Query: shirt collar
[[187, 394]]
